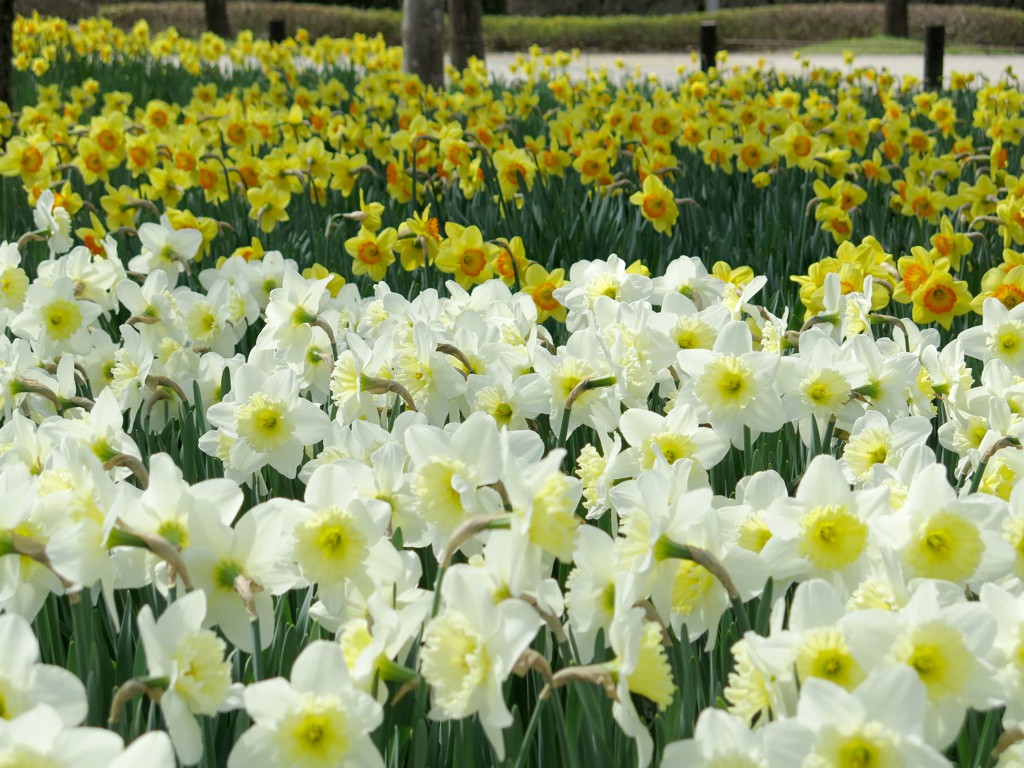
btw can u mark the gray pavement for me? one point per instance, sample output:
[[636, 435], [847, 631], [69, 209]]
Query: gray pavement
[[664, 65]]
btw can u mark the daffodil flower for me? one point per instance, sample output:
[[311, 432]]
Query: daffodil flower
[[189, 661], [469, 650], [882, 722], [316, 719]]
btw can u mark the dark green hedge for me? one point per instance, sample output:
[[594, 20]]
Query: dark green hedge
[[738, 28]]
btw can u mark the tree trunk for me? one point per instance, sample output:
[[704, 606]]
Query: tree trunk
[[467, 31], [7, 52], [217, 17], [423, 40], [897, 22]]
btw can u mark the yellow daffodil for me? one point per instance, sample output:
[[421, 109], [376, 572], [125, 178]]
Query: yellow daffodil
[[657, 204]]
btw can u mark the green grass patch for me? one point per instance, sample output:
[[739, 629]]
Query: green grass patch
[[882, 45]]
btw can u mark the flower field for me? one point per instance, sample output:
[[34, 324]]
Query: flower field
[[610, 422]]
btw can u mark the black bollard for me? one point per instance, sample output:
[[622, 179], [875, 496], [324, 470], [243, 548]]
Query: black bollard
[[277, 31], [708, 44], [934, 46]]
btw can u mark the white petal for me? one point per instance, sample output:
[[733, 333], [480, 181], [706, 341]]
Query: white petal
[[183, 727]]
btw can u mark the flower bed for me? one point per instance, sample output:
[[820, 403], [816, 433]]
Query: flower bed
[[334, 435]]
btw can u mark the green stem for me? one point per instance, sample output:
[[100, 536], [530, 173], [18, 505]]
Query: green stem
[[741, 615], [209, 748], [830, 430], [748, 458], [976, 480], [563, 429], [80, 626], [257, 651]]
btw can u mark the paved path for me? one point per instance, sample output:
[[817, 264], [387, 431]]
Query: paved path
[[664, 64]]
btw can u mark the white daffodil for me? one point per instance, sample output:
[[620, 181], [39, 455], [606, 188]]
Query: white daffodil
[[293, 310], [882, 722], [101, 429], [189, 663], [591, 588], [582, 380], [505, 573], [39, 738], [452, 471], [815, 636], [891, 374], [373, 644], [435, 386], [77, 500], [351, 380], [25, 446], [875, 441], [239, 275], [53, 222], [94, 278], [206, 318], [688, 593], [165, 248], [590, 279], [733, 385], [491, 340], [688, 327], [469, 650], [510, 400], [163, 509], [249, 558], [640, 666], [313, 366], [24, 583], [597, 471], [650, 506], [339, 536], [1007, 653], [151, 307], [687, 276], [14, 281], [678, 435], [1013, 757], [543, 502], [25, 683], [947, 371], [945, 645], [664, 513], [55, 320], [382, 476], [318, 719], [829, 530], [152, 749], [720, 740], [941, 536], [762, 685], [753, 518], [999, 337], [817, 384], [641, 352], [133, 363], [270, 423], [913, 461]]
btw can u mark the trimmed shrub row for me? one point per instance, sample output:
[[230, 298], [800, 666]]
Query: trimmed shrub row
[[761, 27]]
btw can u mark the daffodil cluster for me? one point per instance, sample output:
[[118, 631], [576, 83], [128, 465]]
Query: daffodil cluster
[[633, 456]]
